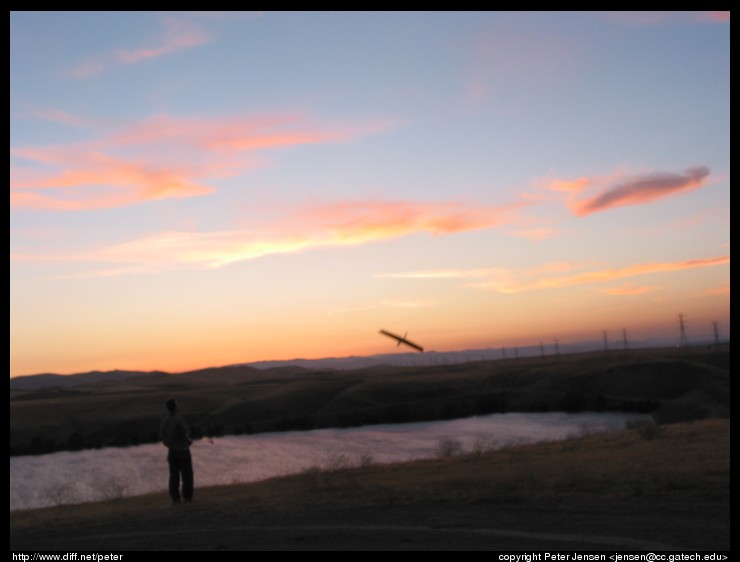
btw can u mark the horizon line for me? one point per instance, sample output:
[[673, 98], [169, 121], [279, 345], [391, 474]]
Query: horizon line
[[560, 348]]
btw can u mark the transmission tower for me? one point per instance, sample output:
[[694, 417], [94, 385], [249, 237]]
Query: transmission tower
[[624, 339], [716, 333], [683, 340], [606, 342]]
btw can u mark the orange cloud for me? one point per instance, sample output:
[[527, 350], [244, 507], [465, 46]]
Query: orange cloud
[[335, 225], [155, 158], [544, 277], [518, 282], [618, 191], [92, 180], [370, 220]]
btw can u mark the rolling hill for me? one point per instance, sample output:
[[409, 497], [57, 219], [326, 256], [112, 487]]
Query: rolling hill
[[123, 408]]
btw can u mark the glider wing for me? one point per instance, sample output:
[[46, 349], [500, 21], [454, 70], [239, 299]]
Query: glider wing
[[403, 340]]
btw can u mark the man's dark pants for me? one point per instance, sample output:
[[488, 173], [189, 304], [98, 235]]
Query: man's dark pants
[[181, 465]]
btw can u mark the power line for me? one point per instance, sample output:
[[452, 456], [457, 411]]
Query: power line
[[683, 339]]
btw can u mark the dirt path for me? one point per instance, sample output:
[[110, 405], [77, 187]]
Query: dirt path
[[635, 524]]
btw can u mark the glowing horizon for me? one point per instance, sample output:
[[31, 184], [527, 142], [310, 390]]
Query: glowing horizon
[[200, 189]]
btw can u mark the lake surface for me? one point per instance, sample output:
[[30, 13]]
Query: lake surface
[[94, 475]]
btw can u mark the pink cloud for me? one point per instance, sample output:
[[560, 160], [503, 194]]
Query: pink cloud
[[66, 118], [619, 191], [175, 36], [643, 17], [233, 132], [91, 65], [502, 58], [719, 291], [82, 180], [650, 18], [155, 158], [717, 17]]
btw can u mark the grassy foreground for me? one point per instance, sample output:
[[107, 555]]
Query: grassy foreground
[[691, 460]]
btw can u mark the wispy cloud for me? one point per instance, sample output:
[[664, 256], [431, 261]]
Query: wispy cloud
[[331, 225], [535, 234], [629, 289], [360, 221], [65, 117], [551, 275], [227, 133], [588, 195], [500, 58], [407, 304], [442, 274], [722, 291], [155, 158], [716, 17], [650, 18], [512, 281], [175, 35], [379, 305]]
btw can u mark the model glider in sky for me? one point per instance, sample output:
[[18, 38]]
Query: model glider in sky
[[401, 340]]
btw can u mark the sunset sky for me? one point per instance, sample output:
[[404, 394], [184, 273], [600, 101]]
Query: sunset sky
[[193, 189]]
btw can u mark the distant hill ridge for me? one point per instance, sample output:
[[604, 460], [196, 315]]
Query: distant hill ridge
[[50, 380], [428, 359]]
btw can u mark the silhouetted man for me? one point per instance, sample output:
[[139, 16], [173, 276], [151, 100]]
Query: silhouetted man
[[174, 433]]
